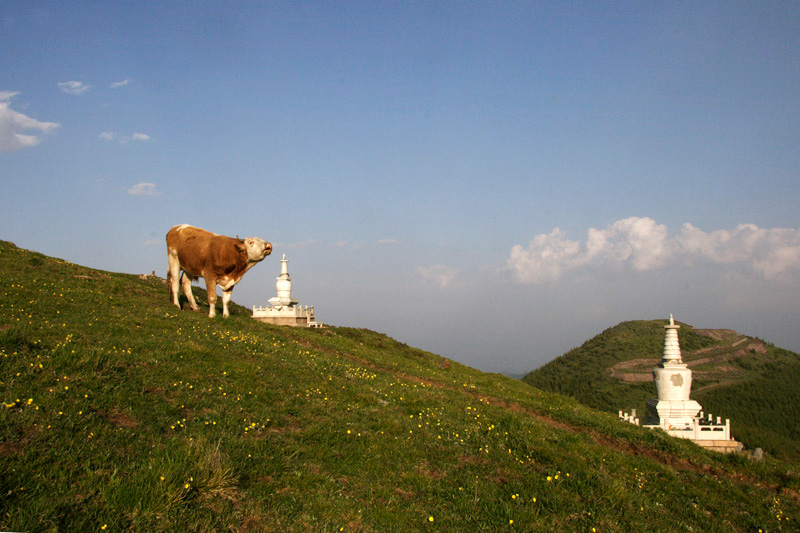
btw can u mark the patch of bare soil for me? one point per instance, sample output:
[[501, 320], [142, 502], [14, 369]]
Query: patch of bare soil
[[118, 419]]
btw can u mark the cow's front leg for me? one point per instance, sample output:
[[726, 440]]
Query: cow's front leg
[[211, 289], [226, 297]]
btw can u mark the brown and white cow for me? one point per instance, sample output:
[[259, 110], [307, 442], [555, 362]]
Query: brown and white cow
[[219, 260]]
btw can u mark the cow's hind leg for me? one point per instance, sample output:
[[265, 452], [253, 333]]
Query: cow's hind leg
[[186, 282], [173, 278], [211, 289]]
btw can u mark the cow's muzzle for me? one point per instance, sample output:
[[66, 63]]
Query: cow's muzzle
[[267, 248]]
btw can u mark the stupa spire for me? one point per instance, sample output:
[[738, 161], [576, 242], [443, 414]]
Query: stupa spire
[[672, 347]]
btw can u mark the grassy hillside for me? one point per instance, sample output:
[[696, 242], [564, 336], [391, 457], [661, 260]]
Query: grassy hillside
[[738, 377], [121, 412]]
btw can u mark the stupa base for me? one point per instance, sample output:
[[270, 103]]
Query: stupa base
[[676, 413]]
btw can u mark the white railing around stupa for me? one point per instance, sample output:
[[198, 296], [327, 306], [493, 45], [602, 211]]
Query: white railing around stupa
[[703, 427], [299, 311]]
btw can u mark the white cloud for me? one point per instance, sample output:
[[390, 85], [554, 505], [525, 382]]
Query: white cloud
[[544, 259], [12, 123], [438, 274], [75, 88], [124, 139], [387, 241], [144, 189], [118, 84], [769, 251], [643, 245]]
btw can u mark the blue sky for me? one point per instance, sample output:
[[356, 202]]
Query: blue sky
[[495, 182]]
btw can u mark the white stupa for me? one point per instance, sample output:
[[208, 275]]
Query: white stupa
[[673, 411], [284, 286], [284, 310]]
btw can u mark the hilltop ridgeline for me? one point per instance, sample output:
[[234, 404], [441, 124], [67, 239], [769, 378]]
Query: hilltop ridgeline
[[121, 412]]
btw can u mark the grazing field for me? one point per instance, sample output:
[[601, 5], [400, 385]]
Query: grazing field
[[121, 412]]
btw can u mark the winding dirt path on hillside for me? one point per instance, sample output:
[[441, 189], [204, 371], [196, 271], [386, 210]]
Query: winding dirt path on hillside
[[643, 373], [737, 346]]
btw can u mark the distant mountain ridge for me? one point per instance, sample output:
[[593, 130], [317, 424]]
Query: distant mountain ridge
[[734, 376]]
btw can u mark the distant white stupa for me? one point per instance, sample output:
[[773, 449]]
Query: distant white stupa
[[284, 310], [673, 411], [284, 286]]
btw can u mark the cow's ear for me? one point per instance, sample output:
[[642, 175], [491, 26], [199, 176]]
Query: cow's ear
[[240, 247]]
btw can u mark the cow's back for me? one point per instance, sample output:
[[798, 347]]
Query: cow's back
[[192, 246], [202, 252]]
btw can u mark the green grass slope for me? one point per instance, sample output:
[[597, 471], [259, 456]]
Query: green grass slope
[[734, 376], [120, 412]]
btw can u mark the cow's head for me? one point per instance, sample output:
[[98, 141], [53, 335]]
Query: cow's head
[[257, 249]]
